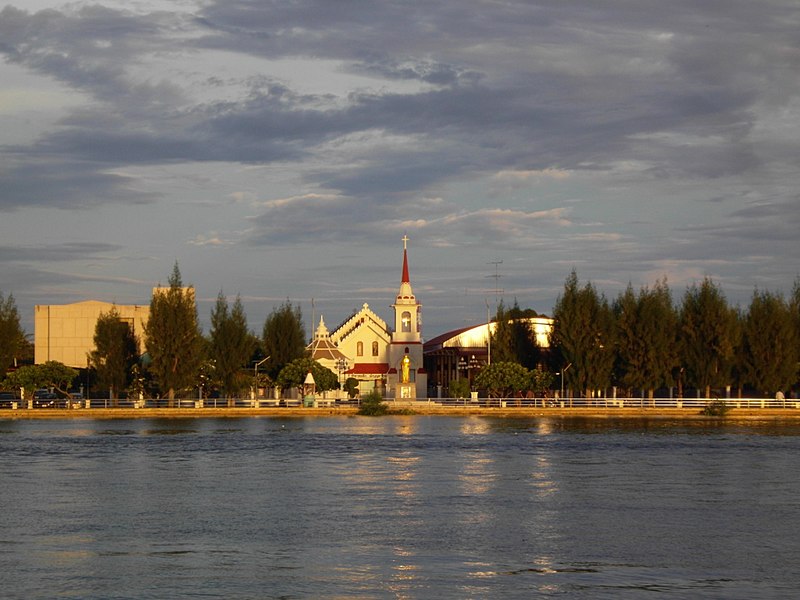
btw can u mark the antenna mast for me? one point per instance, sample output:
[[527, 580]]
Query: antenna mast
[[496, 276]]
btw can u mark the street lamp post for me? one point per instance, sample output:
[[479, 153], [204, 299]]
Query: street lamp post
[[341, 366], [488, 336], [255, 372], [564, 370], [474, 364]]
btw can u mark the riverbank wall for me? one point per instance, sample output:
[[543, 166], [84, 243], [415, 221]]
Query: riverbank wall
[[692, 413]]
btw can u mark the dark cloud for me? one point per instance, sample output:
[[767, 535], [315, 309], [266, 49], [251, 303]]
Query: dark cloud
[[65, 184], [44, 252], [516, 86]]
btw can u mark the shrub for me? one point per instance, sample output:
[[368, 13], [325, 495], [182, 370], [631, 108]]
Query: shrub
[[373, 405], [715, 408], [459, 388]]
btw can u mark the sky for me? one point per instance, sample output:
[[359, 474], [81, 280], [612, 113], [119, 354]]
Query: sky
[[281, 150]]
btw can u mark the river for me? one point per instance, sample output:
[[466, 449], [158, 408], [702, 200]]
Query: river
[[399, 507]]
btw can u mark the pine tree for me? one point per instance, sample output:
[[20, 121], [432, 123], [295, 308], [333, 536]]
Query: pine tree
[[794, 309], [232, 344], [583, 336], [631, 348], [284, 338], [174, 341], [12, 336], [513, 339], [769, 344], [708, 336], [502, 338], [646, 337], [115, 353]]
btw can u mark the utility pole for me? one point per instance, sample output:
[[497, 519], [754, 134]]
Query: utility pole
[[496, 276], [488, 335]]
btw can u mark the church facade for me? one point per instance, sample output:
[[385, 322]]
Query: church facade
[[382, 357]]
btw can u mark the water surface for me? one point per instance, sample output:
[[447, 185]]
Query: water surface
[[398, 507]]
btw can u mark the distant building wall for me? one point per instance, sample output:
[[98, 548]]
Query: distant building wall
[[65, 332]]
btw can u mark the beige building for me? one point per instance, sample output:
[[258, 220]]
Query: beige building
[[65, 332], [383, 358]]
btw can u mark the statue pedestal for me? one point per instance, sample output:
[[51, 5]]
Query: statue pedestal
[[406, 391]]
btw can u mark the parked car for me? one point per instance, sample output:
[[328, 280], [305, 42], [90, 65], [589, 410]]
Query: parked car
[[6, 398], [44, 399]]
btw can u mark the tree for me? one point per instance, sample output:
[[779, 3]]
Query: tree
[[502, 338], [502, 379], [231, 346], [539, 380], [646, 337], [707, 336], [116, 351], [794, 308], [583, 336], [294, 374], [769, 344], [512, 339], [284, 338], [174, 341], [459, 388], [12, 336], [351, 387], [51, 374]]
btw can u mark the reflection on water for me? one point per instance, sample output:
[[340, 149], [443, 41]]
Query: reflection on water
[[477, 475], [399, 507], [542, 482]]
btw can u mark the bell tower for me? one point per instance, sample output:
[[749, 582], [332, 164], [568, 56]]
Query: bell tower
[[405, 350], [407, 311]]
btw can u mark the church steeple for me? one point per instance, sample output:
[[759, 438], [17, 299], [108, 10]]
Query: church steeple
[[407, 311], [405, 278], [406, 293]]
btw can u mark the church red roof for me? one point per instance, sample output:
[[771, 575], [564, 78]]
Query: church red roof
[[369, 369]]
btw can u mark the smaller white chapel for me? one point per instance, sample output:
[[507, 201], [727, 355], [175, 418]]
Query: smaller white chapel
[[382, 358]]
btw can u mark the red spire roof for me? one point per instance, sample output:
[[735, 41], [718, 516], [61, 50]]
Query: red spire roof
[[405, 294]]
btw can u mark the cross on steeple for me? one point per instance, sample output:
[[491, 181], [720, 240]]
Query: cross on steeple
[[405, 241]]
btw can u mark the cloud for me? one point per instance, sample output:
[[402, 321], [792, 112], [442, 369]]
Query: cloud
[[65, 184], [617, 137], [573, 98], [43, 252], [212, 239]]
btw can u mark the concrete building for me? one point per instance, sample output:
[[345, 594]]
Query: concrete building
[[65, 332]]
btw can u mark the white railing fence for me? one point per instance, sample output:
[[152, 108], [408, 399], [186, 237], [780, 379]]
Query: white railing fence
[[474, 402]]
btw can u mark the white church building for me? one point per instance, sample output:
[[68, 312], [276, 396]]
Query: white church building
[[381, 357]]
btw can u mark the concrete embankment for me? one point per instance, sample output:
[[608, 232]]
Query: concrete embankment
[[770, 414]]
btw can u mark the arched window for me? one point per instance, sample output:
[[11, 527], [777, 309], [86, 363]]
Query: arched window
[[374, 348], [405, 321], [360, 349]]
